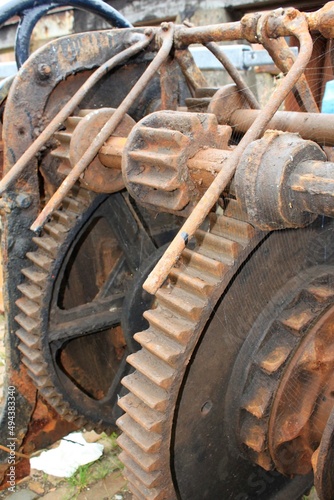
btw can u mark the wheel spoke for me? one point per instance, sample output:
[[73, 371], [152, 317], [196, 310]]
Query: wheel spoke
[[86, 319], [129, 232]]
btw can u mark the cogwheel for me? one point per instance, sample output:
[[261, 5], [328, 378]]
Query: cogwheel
[[71, 336], [175, 438]]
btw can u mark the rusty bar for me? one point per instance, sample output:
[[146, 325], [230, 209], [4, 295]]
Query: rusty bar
[[215, 33], [65, 112], [311, 126], [167, 35], [321, 20], [234, 74], [191, 71], [299, 28], [283, 57]]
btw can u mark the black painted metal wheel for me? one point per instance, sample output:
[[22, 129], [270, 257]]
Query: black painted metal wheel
[[71, 332]]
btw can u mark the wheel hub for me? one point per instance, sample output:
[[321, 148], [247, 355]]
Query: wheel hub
[[287, 395], [304, 400]]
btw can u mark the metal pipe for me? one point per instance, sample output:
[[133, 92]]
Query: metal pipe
[[106, 131], [283, 57], [299, 28], [310, 126], [216, 33], [65, 112]]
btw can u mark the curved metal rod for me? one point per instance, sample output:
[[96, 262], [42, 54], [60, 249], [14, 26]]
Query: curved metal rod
[[234, 74], [218, 52], [283, 57], [16, 7], [107, 130], [298, 28], [24, 31], [30, 11], [65, 112]]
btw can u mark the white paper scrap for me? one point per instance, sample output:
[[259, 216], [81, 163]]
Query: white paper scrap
[[72, 452]]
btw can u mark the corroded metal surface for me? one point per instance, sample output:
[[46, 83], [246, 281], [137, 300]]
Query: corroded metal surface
[[182, 162]]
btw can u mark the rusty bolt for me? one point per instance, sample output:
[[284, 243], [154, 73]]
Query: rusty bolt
[[23, 200], [44, 71], [165, 26]]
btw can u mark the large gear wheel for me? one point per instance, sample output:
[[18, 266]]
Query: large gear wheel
[[71, 336], [177, 437]]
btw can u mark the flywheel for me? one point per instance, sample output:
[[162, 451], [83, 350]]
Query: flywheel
[[217, 367], [71, 309]]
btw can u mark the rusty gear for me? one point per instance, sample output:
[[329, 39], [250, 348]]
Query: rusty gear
[[155, 405], [274, 428], [156, 154]]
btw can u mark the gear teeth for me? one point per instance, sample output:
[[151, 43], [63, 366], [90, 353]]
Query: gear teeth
[[28, 307], [29, 324], [29, 353], [155, 370], [150, 420], [40, 260], [214, 246], [154, 397], [278, 346], [47, 244], [227, 227], [161, 346], [140, 491], [321, 293], [38, 369], [55, 230], [64, 218], [73, 205], [201, 262], [174, 327], [257, 398], [192, 282], [30, 303], [253, 434], [32, 292], [136, 495], [149, 442], [148, 461], [32, 341], [275, 352], [149, 479], [180, 302], [234, 210], [40, 381], [35, 276], [298, 318]]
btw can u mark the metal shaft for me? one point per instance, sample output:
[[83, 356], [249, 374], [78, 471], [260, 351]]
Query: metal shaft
[[312, 126]]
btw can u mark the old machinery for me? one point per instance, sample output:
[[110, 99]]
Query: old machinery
[[168, 255]]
